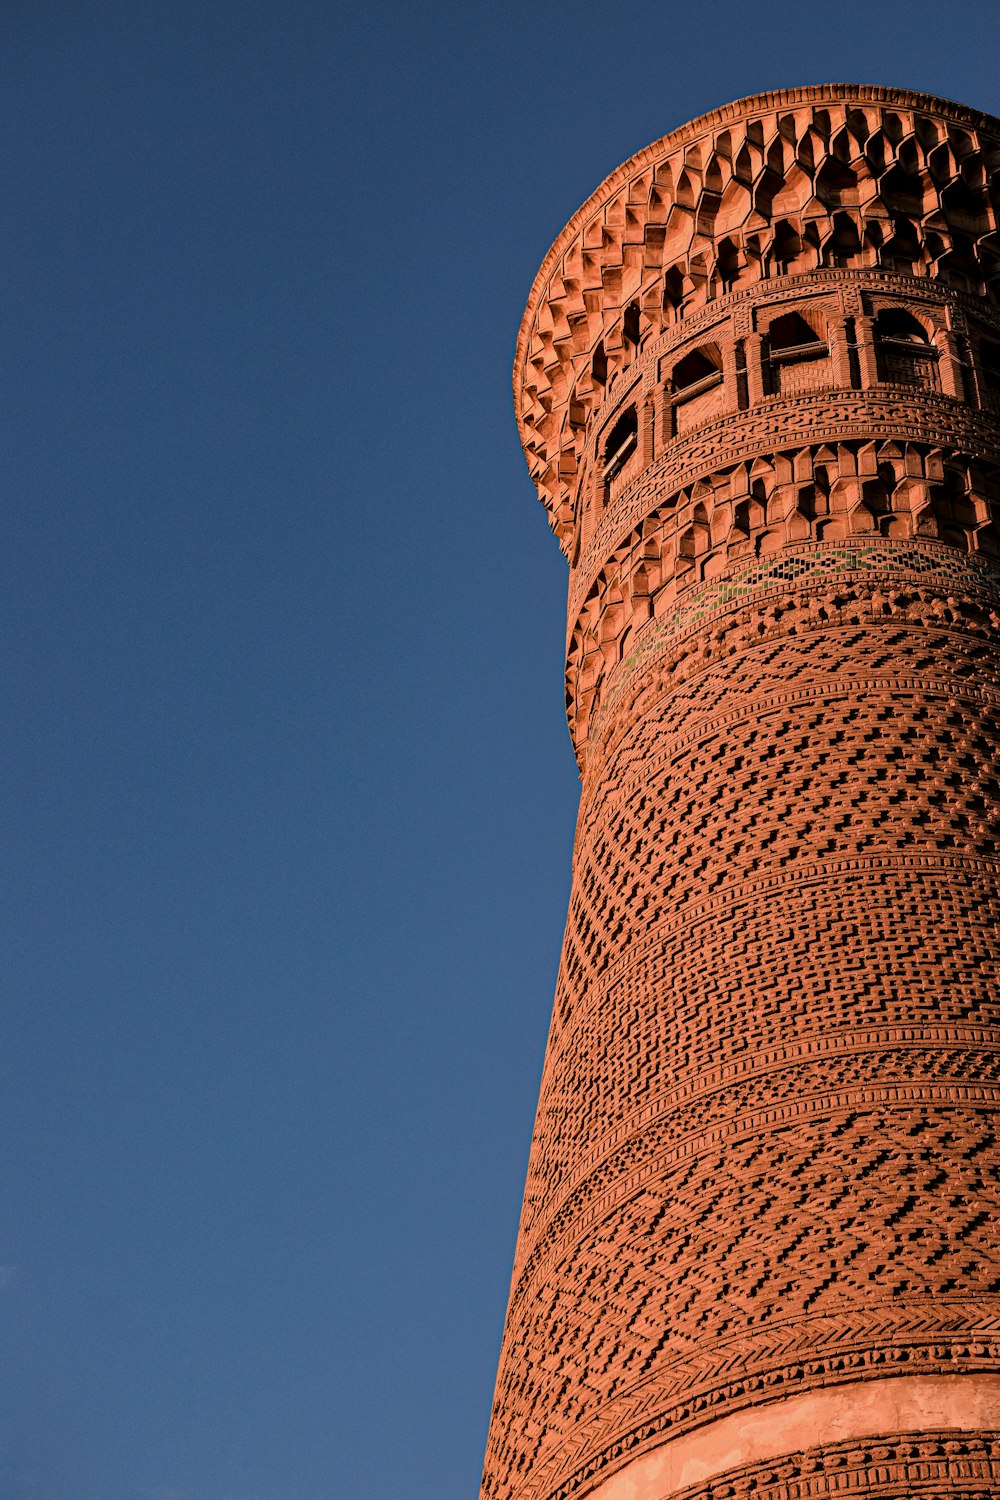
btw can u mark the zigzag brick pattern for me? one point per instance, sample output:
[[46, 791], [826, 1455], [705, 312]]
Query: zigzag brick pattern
[[758, 384]]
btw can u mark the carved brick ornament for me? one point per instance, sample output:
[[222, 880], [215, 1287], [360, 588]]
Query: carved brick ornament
[[758, 384]]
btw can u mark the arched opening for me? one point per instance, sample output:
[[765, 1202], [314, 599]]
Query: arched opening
[[904, 351], [696, 388], [793, 343], [620, 443], [791, 337], [900, 326], [695, 373], [631, 325]]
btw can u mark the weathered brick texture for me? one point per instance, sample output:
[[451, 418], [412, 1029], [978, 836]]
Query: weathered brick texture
[[758, 384]]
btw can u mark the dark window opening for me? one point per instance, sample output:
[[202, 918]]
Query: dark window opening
[[850, 333], [621, 443], [897, 326], [791, 337], [905, 354], [695, 373], [742, 388], [630, 324]]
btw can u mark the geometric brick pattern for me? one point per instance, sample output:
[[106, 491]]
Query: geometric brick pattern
[[932, 1465], [767, 1150], [746, 1123], [915, 492]]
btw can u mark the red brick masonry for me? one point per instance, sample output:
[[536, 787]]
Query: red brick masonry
[[758, 384]]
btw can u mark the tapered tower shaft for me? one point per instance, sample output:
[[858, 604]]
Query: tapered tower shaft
[[758, 384]]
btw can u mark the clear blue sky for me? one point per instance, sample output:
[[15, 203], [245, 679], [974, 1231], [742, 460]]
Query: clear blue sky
[[287, 794]]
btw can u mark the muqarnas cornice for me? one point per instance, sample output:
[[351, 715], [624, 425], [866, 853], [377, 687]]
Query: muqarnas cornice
[[784, 183]]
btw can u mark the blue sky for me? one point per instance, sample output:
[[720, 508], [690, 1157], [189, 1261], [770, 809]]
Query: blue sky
[[287, 794]]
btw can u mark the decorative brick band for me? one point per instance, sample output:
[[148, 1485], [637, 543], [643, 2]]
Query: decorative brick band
[[942, 567], [817, 418], [940, 570], [949, 1405]]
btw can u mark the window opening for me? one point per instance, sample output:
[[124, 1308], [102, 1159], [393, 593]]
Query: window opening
[[791, 337], [621, 443], [895, 325], [695, 373], [742, 389], [854, 364], [792, 342], [906, 355]]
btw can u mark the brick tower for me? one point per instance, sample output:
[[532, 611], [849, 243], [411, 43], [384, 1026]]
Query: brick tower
[[758, 385]]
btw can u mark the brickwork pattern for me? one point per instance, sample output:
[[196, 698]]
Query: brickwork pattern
[[937, 1464], [767, 1150], [811, 179]]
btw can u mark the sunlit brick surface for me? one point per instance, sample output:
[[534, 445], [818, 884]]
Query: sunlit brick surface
[[758, 384]]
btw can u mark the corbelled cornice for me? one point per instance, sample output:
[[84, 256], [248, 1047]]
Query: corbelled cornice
[[791, 180]]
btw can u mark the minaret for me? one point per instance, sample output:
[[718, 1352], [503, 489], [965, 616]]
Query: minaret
[[758, 385]]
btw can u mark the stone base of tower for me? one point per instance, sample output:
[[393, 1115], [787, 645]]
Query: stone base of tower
[[926, 1435]]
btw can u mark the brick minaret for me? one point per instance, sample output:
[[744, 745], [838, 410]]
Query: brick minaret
[[758, 384]]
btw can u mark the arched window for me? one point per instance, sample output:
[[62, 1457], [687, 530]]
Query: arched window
[[899, 326], [695, 373], [620, 443], [792, 342], [905, 353], [696, 392], [791, 337]]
